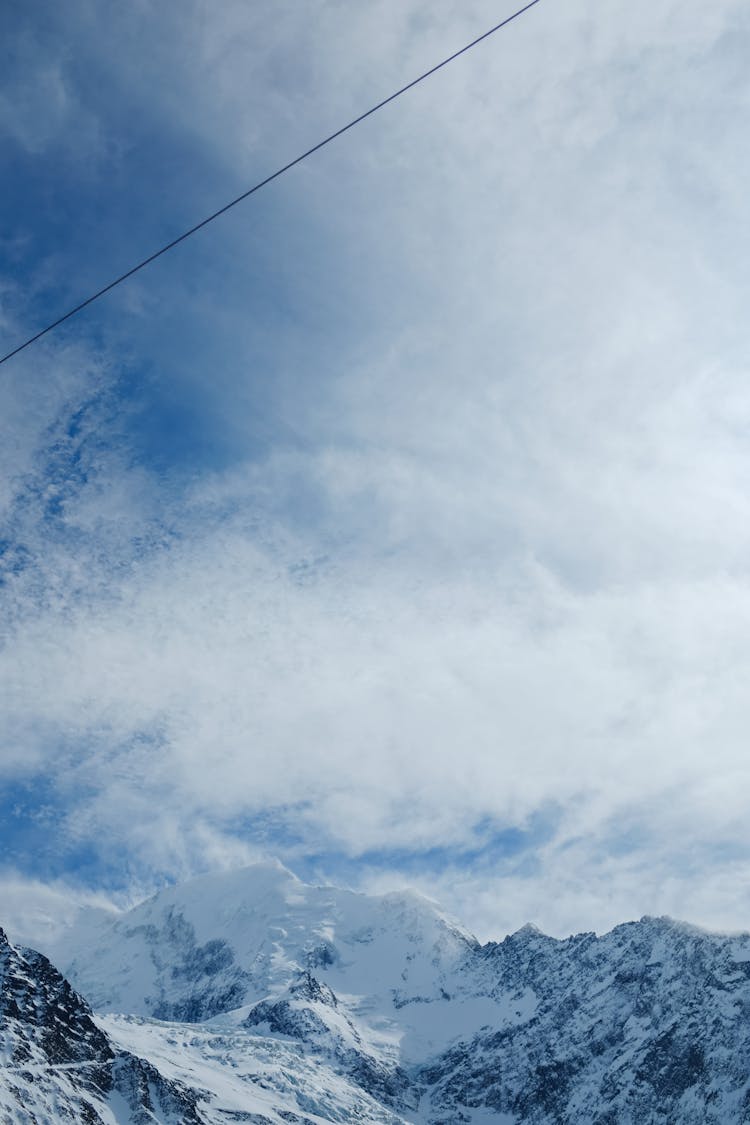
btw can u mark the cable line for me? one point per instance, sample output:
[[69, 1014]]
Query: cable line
[[256, 187]]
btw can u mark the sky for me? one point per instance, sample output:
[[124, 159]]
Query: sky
[[397, 525]]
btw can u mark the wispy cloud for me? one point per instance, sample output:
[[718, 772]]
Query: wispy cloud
[[410, 507]]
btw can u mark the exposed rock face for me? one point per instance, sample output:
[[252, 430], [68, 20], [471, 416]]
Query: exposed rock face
[[58, 1064], [648, 1023], [251, 997]]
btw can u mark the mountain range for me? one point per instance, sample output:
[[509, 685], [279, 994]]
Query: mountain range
[[251, 996]]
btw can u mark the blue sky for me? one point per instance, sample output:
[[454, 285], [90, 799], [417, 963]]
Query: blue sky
[[397, 524]]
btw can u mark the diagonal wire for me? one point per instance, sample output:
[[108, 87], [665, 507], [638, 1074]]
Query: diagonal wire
[[256, 187]]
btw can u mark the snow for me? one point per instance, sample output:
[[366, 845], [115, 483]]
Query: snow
[[244, 1072], [384, 953], [268, 997]]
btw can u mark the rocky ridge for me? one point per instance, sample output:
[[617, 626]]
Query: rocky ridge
[[57, 1064]]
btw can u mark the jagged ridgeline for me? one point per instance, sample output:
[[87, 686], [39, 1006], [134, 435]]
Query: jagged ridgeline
[[250, 996]]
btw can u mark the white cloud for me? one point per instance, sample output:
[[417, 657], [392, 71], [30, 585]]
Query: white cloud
[[36, 912], [501, 561], [577, 889]]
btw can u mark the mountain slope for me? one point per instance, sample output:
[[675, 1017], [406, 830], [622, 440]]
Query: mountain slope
[[277, 1002], [59, 1063], [648, 1023], [56, 1063]]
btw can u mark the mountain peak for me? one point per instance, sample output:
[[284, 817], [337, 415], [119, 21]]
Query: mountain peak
[[529, 929], [201, 948]]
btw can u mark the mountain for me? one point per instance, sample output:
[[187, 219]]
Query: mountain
[[648, 1023], [252, 996], [196, 951], [57, 1064]]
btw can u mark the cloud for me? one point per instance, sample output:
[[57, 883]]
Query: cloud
[[410, 505], [41, 912], [584, 887]]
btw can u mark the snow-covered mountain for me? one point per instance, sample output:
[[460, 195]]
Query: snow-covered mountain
[[225, 942], [252, 996], [57, 1064]]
